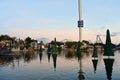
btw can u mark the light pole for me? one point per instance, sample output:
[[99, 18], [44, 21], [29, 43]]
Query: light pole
[[80, 25], [80, 21]]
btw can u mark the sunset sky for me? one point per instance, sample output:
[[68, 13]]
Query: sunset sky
[[58, 18]]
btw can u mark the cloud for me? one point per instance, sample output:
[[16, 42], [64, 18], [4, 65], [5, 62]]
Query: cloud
[[113, 34]]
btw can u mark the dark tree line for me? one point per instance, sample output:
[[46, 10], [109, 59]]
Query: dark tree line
[[6, 37]]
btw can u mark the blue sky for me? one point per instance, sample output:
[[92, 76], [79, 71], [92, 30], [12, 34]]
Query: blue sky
[[58, 18]]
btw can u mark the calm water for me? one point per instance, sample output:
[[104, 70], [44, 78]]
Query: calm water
[[62, 66]]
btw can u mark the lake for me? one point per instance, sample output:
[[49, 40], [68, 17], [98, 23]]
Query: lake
[[59, 66]]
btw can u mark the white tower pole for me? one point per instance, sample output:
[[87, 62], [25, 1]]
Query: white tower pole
[[80, 34], [80, 9], [80, 24]]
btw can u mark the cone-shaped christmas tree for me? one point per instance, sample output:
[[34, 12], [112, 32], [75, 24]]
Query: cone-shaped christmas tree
[[49, 48], [95, 52], [54, 49], [108, 50], [40, 50]]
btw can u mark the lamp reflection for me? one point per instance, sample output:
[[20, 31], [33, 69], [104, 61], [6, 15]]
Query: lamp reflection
[[81, 73], [79, 55]]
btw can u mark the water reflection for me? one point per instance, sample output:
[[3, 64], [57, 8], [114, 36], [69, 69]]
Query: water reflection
[[49, 55], [54, 56], [40, 56], [95, 61], [79, 55], [109, 67], [70, 53], [73, 60], [9, 60], [28, 56], [6, 60], [81, 73], [100, 56]]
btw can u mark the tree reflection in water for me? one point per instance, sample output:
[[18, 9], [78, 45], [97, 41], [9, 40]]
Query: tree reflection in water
[[49, 55], [109, 67], [28, 56], [7, 60], [54, 56], [40, 56], [95, 61], [70, 53]]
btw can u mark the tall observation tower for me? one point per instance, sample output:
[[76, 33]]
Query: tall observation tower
[[80, 21]]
